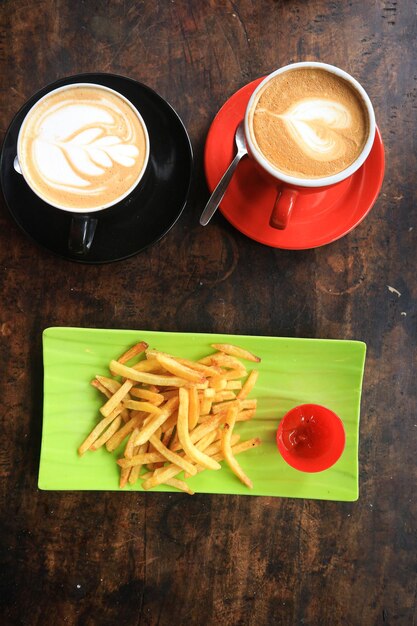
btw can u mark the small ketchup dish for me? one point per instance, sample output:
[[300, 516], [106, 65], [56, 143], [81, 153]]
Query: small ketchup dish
[[311, 438]]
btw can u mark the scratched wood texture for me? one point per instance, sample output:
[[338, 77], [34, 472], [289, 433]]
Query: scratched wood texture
[[107, 558]]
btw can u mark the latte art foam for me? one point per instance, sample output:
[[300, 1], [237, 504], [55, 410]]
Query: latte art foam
[[316, 124], [82, 147], [309, 123]]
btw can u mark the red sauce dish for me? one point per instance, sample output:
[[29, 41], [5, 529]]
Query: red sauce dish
[[311, 438]]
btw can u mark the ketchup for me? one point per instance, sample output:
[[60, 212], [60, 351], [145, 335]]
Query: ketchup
[[311, 438]]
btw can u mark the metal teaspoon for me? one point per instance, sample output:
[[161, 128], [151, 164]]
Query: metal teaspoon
[[217, 195]]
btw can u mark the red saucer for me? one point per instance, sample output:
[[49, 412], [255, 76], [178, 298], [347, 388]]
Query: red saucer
[[318, 218]]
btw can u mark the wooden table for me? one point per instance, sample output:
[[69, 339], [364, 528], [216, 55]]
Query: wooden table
[[134, 558]]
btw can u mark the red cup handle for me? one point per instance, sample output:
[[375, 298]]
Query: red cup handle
[[283, 207]]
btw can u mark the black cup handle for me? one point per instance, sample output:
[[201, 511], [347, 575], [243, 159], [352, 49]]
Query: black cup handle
[[81, 234]]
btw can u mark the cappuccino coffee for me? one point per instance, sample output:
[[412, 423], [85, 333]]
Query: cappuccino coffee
[[83, 147], [309, 123]]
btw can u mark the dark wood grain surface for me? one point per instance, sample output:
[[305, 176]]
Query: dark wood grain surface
[[133, 558]]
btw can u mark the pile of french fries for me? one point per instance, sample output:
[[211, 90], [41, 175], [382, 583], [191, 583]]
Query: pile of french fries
[[174, 415]]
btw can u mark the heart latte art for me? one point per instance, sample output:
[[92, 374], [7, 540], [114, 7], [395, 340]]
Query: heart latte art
[[315, 125], [309, 123], [82, 147]]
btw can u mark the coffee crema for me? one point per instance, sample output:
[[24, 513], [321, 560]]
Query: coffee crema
[[309, 123], [82, 147]]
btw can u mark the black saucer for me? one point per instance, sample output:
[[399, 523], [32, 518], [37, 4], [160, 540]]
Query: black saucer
[[145, 216]]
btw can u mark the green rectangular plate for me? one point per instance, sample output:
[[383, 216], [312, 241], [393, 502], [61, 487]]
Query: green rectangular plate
[[292, 372]]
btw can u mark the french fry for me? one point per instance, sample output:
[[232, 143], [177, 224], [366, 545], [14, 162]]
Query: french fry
[[116, 398], [155, 422], [230, 362], [203, 445], [124, 477], [207, 427], [160, 476], [244, 416], [117, 411], [206, 441], [237, 448], [249, 403], [115, 441], [108, 387], [170, 456], [206, 370], [130, 446], [246, 445], [146, 377], [184, 435], [221, 396], [214, 449], [95, 434], [125, 415], [152, 450], [216, 446], [204, 418], [125, 473], [248, 385], [193, 408], [149, 365], [97, 384], [205, 406], [202, 430], [227, 448], [177, 369], [193, 365], [135, 350], [240, 353], [115, 425], [223, 406], [240, 404], [171, 393], [109, 383], [146, 394], [136, 469], [143, 458], [234, 374], [207, 360], [218, 383], [170, 423], [152, 474], [203, 385], [137, 405], [167, 437], [179, 484], [233, 384]]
